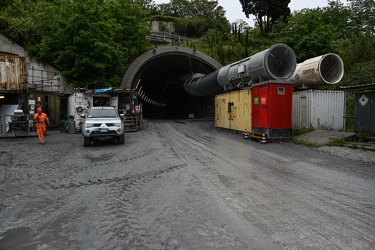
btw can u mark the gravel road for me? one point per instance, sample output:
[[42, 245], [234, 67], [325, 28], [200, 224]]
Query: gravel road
[[182, 184]]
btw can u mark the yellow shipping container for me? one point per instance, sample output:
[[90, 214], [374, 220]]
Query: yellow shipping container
[[233, 110]]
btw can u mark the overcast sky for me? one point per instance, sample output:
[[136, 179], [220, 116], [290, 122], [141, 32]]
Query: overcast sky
[[234, 12]]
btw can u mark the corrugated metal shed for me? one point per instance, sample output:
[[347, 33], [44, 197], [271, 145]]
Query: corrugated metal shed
[[12, 72], [319, 109]]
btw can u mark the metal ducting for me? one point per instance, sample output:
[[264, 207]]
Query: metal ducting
[[277, 62], [320, 70]]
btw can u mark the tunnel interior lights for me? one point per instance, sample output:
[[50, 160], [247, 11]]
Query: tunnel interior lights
[[136, 86], [140, 90], [147, 99]]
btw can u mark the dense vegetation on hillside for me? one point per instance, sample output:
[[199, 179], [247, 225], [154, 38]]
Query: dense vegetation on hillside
[[92, 42]]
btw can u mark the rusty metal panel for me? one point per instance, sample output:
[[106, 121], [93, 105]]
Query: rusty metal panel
[[319, 109], [12, 72]]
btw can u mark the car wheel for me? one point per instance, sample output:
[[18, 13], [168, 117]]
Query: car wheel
[[121, 139], [86, 141]]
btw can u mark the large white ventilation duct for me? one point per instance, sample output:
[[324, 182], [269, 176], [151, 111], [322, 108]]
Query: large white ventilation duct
[[320, 70]]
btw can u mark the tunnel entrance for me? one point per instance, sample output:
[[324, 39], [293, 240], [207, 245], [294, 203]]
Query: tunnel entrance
[[158, 76]]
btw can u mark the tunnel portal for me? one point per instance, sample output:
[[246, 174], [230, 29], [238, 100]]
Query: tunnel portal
[[158, 76]]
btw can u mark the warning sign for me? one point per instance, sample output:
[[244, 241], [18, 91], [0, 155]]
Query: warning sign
[[363, 100]]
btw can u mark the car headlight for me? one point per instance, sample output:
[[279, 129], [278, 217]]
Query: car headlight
[[117, 124], [87, 125]]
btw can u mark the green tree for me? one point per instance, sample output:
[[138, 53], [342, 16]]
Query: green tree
[[148, 5], [90, 41], [211, 10], [5, 3], [266, 12], [357, 42], [17, 23], [310, 32], [195, 17], [362, 15], [179, 8], [81, 43]]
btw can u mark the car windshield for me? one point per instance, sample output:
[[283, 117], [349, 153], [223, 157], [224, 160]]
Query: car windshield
[[102, 113]]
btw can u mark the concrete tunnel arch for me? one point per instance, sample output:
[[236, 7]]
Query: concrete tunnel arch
[[158, 76]]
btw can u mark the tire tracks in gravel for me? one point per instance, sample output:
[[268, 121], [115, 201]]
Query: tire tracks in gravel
[[208, 159], [126, 224], [120, 223], [188, 188], [68, 203], [139, 222], [324, 204]]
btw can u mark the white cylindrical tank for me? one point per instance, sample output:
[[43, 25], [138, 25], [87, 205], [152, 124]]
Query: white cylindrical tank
[[320, 70], [78, 103]]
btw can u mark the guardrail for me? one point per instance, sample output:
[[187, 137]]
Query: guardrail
[[165, 38]]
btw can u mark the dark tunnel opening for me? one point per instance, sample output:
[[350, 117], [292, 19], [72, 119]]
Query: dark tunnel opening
[[159, 76]]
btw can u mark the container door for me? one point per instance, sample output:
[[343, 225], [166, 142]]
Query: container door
[[245, 110], [54, 110], [259, 114], [279, 105], [365, 112], [234, 114], [304, 112], [221, 120], [263, 110]]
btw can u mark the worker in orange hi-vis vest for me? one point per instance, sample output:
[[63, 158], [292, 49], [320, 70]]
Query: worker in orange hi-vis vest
[[42, 121]]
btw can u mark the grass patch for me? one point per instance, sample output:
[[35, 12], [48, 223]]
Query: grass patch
[[296, 132], [301, 142], [339, 142]]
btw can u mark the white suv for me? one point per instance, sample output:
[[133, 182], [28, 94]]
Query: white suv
[[102, 123]]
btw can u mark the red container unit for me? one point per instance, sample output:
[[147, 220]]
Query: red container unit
[[272, 109]]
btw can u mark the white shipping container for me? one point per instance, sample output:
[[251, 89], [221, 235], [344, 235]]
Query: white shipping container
[[319, 109]]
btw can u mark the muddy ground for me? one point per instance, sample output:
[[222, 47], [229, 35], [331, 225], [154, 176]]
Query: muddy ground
[[182, 185]]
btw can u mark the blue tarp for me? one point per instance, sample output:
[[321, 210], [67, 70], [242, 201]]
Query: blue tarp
[[102, 90]]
